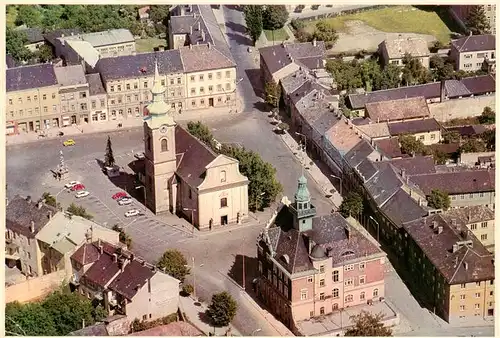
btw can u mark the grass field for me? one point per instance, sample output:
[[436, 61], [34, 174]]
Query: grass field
[[279, 35], [148, 45], [398, 19]]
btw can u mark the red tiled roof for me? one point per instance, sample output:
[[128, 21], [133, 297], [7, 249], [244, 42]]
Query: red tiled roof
[[398, 109], [132, 279]]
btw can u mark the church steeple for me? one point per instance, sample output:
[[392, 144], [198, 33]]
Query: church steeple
[[302, 209], [158, 106]]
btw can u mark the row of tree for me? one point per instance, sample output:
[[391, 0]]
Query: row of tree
[[263, 187], [269, 17]]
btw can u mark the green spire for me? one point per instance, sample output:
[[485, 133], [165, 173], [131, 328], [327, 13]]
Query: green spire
[[302, 194], [158, 106]]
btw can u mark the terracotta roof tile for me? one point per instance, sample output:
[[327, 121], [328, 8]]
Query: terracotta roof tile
[[20, 213], [398, 109], [414, 127], [460, 182]]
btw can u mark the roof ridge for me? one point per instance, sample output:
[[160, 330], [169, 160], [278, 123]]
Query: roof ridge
[[465, 42], [459, 265], [295, 251]]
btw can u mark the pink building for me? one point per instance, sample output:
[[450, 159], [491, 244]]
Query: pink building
[[314, 265]]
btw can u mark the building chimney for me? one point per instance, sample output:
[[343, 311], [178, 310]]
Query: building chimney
[[466, 265], [138, 287], [470, 33], [203, 34], [348, 233], [191, 30], [101, 249], [209, 45], [50, 215], [32, 226], [115, 258], [199, 26], [443, 90], [434, 224], [440, 229], [314, 42]]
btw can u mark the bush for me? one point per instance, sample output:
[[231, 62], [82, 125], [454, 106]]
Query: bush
[[138, 325], [297, 24], [187, 289]]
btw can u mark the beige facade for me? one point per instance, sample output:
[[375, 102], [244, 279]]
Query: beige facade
[[75, 104], [471, 61], [471, 199], [394, 50], [213, 88], [27, 250], [469, 300], [98, 108], [429, 138]]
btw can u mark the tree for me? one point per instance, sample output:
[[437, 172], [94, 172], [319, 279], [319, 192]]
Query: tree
[[487, 116], [79, 211], [390, 77], [254, 21], [439, 199], [28, 15], [346, 74], [273, 93], [472, 146], [159, 13], [15, 41], [410, 145], [352, 205], [368, 324], [202, 132], [440, 157], [274, 17], [222, 309], [174, 263], [29, 319], [187, 289], [451, 137], [325, 32], [44, 54], [414, 72], [50, 200], [302, 35], [123, 237], [477, 21], [488, 138], [109, 159]]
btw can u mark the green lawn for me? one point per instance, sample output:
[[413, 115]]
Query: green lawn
[[397, 19], [148, 45], [279, 35]]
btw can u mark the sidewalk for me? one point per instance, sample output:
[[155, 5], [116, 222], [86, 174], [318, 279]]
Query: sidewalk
[[192, 313], [321, 180]]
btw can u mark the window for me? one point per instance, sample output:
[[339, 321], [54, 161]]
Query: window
[[202, 102], [202, 90], [120, 100], [201, 77], [164, 145], [11, 113], [471, 195], [120, 112], [144, 317], [219, 75], [93, 104], [462, 307], [145, 84], [223, 202], [163, 83], [335, 276], [335, 293], [193, 103], [45, 109], [223, 176], [29, 98], [30, 112], [219, 87], [178, 80], [29, 254], [484, 225], [112, 88], [362, 280], [473, 226], [303, 294], [127, 86], [462, 286], [491, 293], [309, 279], [83, 106], [348, 298], [192, 78], [172, 105], [35, 97], [228, 74], [190, 194], [375, 292], [210, 76], [433, 136], [322, 296], [129, 98], [136, 85], [484, 237], [210, 88], [349, 267], [84, 95], [260, 267], [44, 97], [348, 282], [10, 101], [476, 306], [228, 86], [462, 297], [477, 294], [322, 283], [362, 265], [102, 103], [362, 296], [53, 95], [321, 269], [193, 91], [421, 137]]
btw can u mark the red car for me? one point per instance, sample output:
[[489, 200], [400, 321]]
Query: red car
[[78, 187], [119, 195]]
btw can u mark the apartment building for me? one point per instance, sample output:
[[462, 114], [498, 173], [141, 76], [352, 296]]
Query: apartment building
[[122, 283], [98, 98], [74, 94], [471, 52], [32, 99], [451, 268], [393, 51], [311, 265], [461, 13]]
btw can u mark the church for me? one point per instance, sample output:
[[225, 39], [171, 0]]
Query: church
[[184, 176]]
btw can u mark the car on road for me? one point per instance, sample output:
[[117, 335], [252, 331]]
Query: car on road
[[81, 194], [69, 142], [78, 187], [125, 201], [71, 184], [119, 195], [133, 212], [140, 156]]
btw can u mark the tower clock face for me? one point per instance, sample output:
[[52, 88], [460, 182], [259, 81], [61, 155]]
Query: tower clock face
[[163, 129]]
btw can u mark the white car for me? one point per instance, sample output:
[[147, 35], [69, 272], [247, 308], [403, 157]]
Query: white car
[[125, 201], [81, 194], [71, 184], [140, 156], [132, 213]]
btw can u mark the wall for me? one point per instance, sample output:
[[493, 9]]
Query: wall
[[29, 253], [98, 108], [72, 99], [461, 108], [472, 61], [119, 49], [34, 288], [464, 200], [429, 138], [476, 299], [488, 231]]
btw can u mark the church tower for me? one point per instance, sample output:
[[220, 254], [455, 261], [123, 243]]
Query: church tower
[[159, 144], [302, 209]]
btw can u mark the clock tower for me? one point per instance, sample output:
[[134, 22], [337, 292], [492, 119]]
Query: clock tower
[[159, 144]]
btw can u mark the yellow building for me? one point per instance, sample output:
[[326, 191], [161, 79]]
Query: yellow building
[[183, 175]]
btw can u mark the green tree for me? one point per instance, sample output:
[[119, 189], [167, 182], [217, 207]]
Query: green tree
[[273, 93], [451, 136], [302, 35], [159, 13], [390, 77], [352, 205], [50, 200], [15, 41], [410, 145], [472, 146], [477, 21], [274, 17], [414, 72], [202, 132], [30, 319], [109, 159], [488, 138], [254, 21], [29, 15], [44, 54], [297, 24], [368, 324], [439, 199], [174, 263], [187, 289], [440, 157], [325, 32], [347, 75], [78, 210], [371, 74], [122, 236], [487, 116], [222, 309]]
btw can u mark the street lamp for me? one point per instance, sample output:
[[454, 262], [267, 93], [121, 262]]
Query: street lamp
[[340, 179], [144, 187], [255, 331], [378, 228]]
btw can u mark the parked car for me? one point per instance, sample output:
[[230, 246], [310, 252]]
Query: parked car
[[140, 156], [81, 194], [71, 184], [78, 187], [133, 212], [69, 142], [125, 201], [119, 195]]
